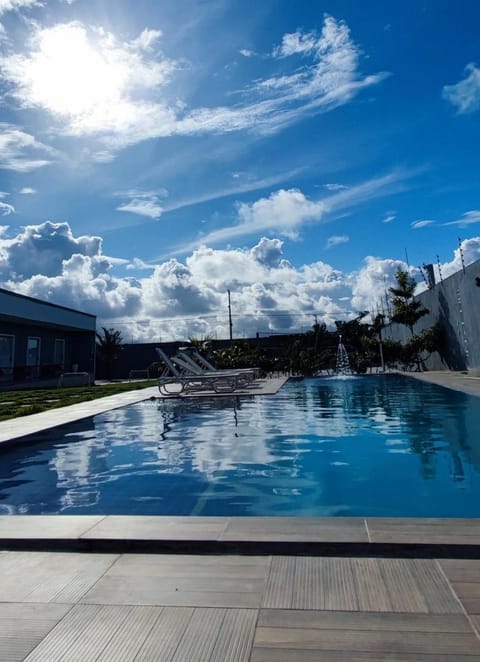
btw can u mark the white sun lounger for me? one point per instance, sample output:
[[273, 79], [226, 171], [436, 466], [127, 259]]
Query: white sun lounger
[[200, 365], [178, 383], [243, 378]]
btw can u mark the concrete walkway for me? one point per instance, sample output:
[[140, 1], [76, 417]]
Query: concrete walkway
[[458, 381], [194, 589], [16, 428]]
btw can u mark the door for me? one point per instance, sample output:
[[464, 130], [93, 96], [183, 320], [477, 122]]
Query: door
[[6, 354], [59, 353], [33, 356]]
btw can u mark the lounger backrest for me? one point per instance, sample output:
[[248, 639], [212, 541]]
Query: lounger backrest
[[195, 370], [167, 362], [190, 363], [203, 361]]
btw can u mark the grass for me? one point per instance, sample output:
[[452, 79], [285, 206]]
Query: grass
[[32, 401]]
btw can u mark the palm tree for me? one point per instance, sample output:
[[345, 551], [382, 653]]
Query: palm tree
[[109, 344]]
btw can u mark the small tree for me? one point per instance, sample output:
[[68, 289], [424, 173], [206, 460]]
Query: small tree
[[406, 310], [109, 344]]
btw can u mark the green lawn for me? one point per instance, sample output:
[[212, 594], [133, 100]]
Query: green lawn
[[21, 403]]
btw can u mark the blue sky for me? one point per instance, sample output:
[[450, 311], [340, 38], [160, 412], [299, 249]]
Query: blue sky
[[154, 155]]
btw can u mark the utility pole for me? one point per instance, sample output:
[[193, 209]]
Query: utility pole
[[230, 316]]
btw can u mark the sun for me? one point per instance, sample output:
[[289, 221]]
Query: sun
[[73, 77]]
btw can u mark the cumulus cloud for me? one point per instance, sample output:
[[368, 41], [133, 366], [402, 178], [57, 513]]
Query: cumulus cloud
[[285, 211], [42, 249], [269, 252], [27, 190], [95, 84], [336, 240], [469, 249], [465, 95], [143, 203], [370, 284], [178, 299], [20, 151]]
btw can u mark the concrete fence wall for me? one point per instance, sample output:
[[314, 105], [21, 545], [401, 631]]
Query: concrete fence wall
[[455, 303]]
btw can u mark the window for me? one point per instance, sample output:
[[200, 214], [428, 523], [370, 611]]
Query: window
[[59, 352], [33, 356], [6, 354]]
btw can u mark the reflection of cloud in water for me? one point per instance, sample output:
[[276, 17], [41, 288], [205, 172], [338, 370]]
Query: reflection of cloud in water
[[304, 451]]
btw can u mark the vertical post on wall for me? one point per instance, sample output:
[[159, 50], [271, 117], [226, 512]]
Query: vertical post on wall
[[461, 254], [230, 325]]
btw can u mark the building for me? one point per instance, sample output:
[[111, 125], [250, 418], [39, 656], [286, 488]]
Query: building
[[40, 340], [454, 302]]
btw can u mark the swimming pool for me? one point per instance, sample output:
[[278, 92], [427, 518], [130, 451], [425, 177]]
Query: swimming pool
[[368, 446]]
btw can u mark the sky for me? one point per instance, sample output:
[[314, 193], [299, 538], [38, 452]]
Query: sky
[[156, 155]]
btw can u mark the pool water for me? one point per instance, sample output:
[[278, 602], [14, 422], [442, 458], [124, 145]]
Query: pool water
[[368, 446]]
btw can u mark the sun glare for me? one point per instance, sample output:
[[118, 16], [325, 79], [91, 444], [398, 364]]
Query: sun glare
[[71, 77]]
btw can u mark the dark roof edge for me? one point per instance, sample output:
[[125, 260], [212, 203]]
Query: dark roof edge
[[46, 303]]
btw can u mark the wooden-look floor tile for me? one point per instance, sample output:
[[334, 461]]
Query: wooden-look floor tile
[[464, 576], [338, 632], [197, 581], [50, 576], [23, 626], [397, 585]]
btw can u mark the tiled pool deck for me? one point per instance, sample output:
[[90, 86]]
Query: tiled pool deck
[[236, 589]]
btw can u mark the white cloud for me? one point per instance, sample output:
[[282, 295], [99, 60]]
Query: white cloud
[[93, 84], [143, 203], [297, 42], [469, 249], [370, 284], [138, 264], [416, 225], [19, 150], [27, 190], [6, 209], [389, 217], [285, 211], [468, 218], [246, 52], [335, 187], [15, 5], [332, 80], [336, 240], [42, 249], [88, 79], [180, 299], [465, 95]]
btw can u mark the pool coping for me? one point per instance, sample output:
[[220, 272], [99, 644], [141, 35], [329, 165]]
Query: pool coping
[[368, 537], [329, 536]]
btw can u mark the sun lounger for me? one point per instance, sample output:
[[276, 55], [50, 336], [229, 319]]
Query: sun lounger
[[243, 378], [200, 365], [176, 382]]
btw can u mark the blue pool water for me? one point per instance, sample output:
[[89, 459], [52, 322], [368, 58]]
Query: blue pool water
[[367, 446]]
